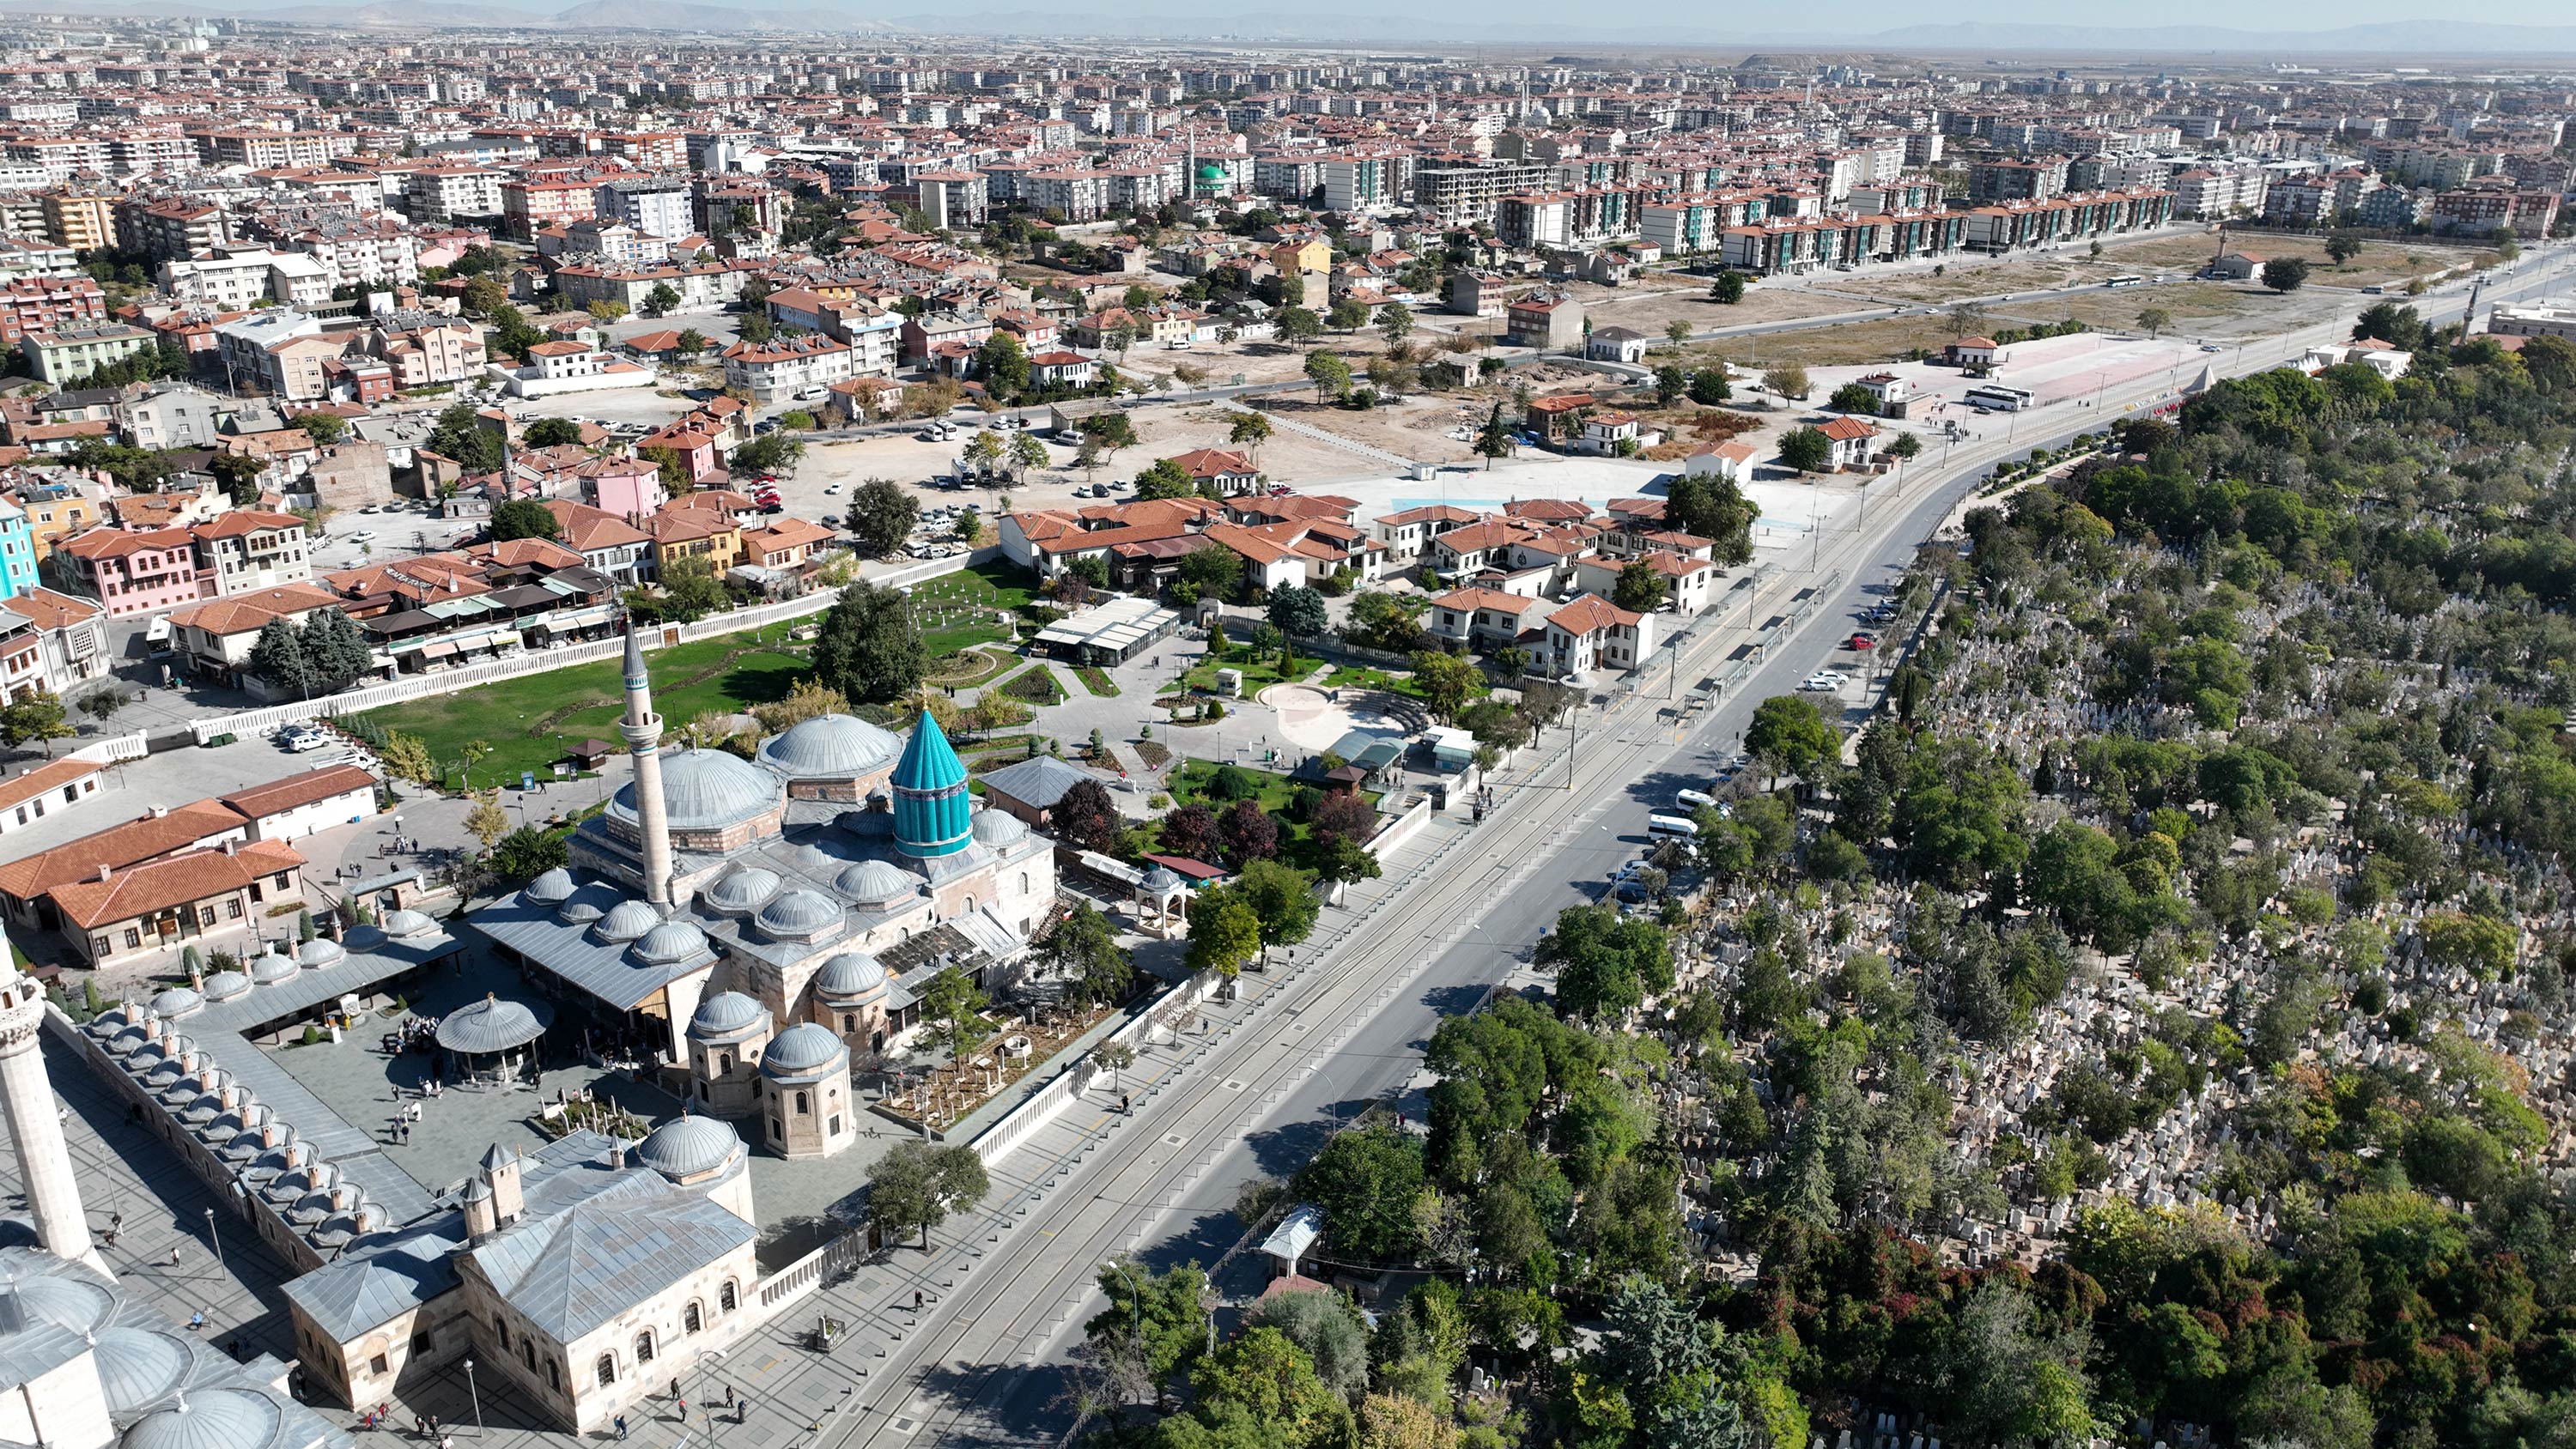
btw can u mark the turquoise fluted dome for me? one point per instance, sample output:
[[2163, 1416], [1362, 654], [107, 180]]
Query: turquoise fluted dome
[[932, 810]]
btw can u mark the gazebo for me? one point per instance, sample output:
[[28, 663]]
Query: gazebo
[[489, 1040], [1164, 898]]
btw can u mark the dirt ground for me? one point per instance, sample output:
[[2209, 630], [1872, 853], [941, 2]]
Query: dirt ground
[[1649, 309], [2192, 305], [1844, 344]]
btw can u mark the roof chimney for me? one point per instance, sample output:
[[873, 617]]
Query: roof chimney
[[104, 872], [231, 843]]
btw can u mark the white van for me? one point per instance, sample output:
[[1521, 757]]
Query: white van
[[1671, 825], [1692, 800]]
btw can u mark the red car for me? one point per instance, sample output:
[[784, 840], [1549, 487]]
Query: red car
[[1864, 641]]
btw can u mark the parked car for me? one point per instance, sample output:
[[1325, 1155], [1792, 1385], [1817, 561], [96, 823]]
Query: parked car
[[1822, 683], [1863, 641]]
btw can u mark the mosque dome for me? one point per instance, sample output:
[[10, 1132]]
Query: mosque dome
[[689, 1147], [706, 790], [225, 985], [550, 888], [73, 1304], [725, 1015], [996, 829], [207, 1419], [669, 944], [830, 746], [744, 891], [850, 976], [403, 925], [586, 904], [803, 1052], [627, 920], [271, 967], [320, 952], [139, 1366], [799, 914], [177, 1001], [877, 883]]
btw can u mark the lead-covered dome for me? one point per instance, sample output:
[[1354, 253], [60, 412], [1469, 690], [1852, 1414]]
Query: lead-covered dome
[[271, 967], [319, 953], [828, 747], [725, 1015], [225, 985], [550, 888], [995, 829], [139, 1366], [207, 1419], [488, 1026], [669, 944], [850, 977], [402, 925], [799, 914], [177, 1001], [803, 1052], [627, 920], [877, 883], [744, 891], [690, 1147], [706, 790]]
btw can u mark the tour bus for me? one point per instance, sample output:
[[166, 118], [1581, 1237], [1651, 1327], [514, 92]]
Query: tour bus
[[1996, 395], [1671, 825], [2126, 281]]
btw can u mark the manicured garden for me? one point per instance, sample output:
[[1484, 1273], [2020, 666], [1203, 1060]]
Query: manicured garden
[[1261, 669], [1218, 786], [534, 720]]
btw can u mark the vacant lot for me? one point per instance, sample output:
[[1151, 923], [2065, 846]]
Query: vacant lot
[[1650, 310], [2380, 263], [1843, 344], [2189, 304]]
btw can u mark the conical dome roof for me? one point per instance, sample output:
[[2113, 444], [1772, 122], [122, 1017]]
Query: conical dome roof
[[928, 762]]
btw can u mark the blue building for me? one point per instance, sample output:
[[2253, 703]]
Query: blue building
[[17, 551]]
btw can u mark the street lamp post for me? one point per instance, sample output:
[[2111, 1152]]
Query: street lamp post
[[477, 1395], [215, 1239]]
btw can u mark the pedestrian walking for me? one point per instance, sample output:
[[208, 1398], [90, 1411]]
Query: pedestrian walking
[[174, 1255], [197, 1321], [621, 1426], [728, 1396], [115, 1222], [743, 1410], [916, 1300]]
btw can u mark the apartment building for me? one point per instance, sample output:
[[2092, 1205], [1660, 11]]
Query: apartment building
[[442, 193], [2479, 210], [248, 549], [529, 205], [70, 353], [654, 205], [50, 641], [2217, 193], [2015, 179], [81, 220], [34, 306], [173, 227], [135, 571], [787, 366]]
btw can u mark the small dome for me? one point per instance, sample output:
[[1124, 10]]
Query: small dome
[[550, 888], [1162, 880], [877, 883], [271, 968], [73, 1304], [803, 1050], [320, 952], [669, 944], [727, 1014], [587, 904], [706, 790], [744, 891], [225, 985], [177, 1001], [627, 921], [850, 976], [403, 925], [799, 914], [996, 829], [690, 1147], [490, 1025], [139, 1366], [207, 1419], [830, 746]]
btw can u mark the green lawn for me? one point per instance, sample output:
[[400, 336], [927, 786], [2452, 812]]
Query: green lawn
[[1258, 674], [1189, 783], [1097, 681], [967, 607], [531, 721], [1378, 679]]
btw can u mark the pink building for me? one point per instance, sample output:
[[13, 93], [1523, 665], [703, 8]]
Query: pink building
[[136, 571], [627, 487]]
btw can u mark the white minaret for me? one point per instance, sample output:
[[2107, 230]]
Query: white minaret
[[35, 1123], [642, 731]]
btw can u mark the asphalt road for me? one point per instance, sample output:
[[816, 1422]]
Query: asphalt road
[[1351, 1029]]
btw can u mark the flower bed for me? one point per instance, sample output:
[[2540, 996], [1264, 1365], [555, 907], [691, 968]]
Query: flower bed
[[956, 1091]]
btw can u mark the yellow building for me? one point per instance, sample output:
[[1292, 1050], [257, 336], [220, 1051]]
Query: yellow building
[[80, 221], [679, 532], [50, 520], [1313, 255]]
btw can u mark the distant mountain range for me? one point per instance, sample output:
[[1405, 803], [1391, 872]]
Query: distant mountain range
[[2411, 39]]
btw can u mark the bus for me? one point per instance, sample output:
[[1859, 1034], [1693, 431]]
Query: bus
[[2126, 281], [1996, 395]]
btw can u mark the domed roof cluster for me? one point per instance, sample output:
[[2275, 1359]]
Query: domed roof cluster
[[690, 1147], [743, 891], [726, 1016], [706, 790], [849, 979], [798, 915], [877, 884], [829, 747], [803, 1053], [669, 944]]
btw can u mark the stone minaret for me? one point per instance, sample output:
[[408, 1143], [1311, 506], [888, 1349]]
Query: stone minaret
[[44, 1163], [642, 730]]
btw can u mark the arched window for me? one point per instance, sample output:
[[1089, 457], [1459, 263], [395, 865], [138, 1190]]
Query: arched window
[[970, 905], [702, 1091], [836, 1124], [849, 1023], [528, 1354], [1024, 882], [503, 1328], [644, 1347], [554, 1376], [724, 1063], [607, 1369], [691, 1319], [802, 1106], [725, 1298]]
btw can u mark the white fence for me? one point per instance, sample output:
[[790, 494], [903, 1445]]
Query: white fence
[[1015, 1126], [1401, 829], [109, 751], [421, 686]]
